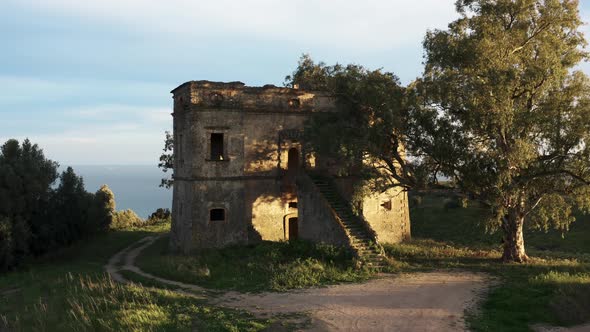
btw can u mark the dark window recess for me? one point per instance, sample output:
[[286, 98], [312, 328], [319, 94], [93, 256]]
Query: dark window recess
[[386, 205], [292, 205], [217, 215], [216, 146], [294, 103], [180, 150]]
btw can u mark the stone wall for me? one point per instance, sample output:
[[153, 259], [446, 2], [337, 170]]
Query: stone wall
[[388, 215], [317, 223]]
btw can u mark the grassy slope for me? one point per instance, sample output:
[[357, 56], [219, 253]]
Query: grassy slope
[[69, 292], [267, 266], [554, 288]]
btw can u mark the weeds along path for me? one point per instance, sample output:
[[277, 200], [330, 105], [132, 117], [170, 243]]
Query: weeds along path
[[433, 301]]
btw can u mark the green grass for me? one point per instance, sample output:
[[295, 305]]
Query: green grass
[[68, 291], [552, 288], [466, 227], [273, 266], [85, 303], [146, 282]]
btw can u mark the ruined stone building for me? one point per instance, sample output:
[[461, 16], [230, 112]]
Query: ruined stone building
[[242, 174]]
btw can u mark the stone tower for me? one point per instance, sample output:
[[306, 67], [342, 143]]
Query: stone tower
[[242, 173]]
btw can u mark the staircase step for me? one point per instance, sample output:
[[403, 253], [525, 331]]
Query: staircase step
[[368, 252], [364, 252], [355, 229], [371, 257], [360, 234], [361, 240]]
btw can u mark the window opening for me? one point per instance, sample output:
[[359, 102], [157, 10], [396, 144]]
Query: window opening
[[216, 146], [217, 215]]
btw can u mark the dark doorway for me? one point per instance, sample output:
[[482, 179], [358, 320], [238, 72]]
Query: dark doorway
[[293, 229]]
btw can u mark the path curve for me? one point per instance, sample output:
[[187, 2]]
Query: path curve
[[432, 301]]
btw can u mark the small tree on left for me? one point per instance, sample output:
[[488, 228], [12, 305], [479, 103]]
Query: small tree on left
[[167, 160]]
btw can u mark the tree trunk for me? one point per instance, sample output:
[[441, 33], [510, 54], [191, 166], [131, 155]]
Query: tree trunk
[[514, 251]]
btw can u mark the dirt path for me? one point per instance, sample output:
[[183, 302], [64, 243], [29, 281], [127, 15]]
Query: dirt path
[[543, 328], [433, 301]]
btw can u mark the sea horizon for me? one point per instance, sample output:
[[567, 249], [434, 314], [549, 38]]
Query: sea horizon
[[135, 186]]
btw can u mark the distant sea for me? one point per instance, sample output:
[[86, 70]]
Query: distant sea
[[135, 186]]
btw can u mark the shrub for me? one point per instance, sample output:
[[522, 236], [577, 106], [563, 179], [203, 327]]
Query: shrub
[[129, 219], [415, 201], [456, 202], [464, 202], [126, 219], [160, 215], [104, 204], [5, 244], [21, 237], [299, 273]]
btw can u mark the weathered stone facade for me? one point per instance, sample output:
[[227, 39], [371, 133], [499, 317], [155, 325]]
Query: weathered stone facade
[[240, 171]]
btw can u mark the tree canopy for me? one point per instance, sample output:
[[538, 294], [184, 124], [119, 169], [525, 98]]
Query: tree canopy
[[368, 133]]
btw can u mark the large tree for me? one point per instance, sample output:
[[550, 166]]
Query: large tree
[[502, 97], [25, 188]]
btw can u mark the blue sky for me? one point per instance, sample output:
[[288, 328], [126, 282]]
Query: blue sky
[[90, 80]]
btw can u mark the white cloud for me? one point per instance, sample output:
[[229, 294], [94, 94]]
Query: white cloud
[[352, 24], [121, 144], [105, 134], [19, 89], [156, 115]]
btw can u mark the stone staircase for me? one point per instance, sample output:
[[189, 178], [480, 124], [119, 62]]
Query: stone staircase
[[362, 240]]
